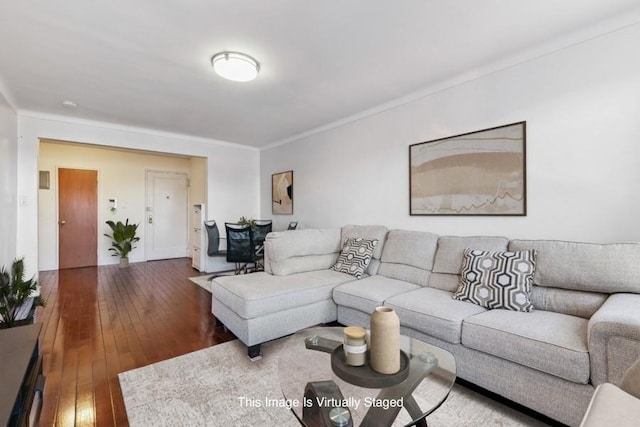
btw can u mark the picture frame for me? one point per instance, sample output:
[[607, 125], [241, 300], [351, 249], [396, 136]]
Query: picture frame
[[480, 173], [282, 193]]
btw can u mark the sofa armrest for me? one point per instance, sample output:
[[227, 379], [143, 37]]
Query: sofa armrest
[[614, 338]]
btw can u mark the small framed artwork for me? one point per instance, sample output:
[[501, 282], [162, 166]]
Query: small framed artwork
[[282, 193], [476, 173]]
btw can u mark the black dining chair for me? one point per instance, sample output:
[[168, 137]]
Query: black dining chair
[[240, 247], [213, 238], [262, 228]]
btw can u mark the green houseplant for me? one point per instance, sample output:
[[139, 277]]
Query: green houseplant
[[123, 236], [247, 222], [15, 292]]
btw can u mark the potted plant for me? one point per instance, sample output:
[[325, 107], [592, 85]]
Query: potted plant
[[15, 296], [123, 237], [247, 222]]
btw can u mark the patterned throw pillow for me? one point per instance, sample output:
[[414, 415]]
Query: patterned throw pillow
[[355, 256], [497, 279]]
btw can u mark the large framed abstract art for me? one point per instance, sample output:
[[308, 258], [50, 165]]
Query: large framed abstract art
[[475, 173], [282, 193]]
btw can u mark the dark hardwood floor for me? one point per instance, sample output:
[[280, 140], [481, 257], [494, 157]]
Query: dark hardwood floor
[[100, 321]]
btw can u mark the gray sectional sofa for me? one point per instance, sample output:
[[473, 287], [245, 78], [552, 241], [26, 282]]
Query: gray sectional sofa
[[584, 329]]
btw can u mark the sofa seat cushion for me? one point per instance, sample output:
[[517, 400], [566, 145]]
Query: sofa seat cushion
[[257, 294], [368, 293], [546, 341], [433, 312]]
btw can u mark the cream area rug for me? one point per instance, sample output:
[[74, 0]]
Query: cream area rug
[[203, 281], [213, 387]]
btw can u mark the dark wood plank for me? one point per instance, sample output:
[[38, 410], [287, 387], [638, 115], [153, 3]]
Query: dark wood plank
[[100, 321]]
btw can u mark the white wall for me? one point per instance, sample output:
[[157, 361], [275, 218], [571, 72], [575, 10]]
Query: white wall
[[233, 178], [8, 199], [198, 187], [582, 107], [121, 176]]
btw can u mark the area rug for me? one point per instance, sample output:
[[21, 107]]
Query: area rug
[[219, 386], [203, 281]]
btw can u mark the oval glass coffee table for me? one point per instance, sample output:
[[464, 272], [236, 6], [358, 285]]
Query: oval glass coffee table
[[319, 397]]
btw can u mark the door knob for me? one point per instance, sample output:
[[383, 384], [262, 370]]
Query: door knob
[[63, 222], [150, 219]]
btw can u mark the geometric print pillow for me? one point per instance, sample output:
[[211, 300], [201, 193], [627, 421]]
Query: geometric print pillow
[[355, 256], [494, 279]]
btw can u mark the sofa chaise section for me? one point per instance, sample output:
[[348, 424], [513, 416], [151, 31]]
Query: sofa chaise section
[[295, 290], [259, 307]]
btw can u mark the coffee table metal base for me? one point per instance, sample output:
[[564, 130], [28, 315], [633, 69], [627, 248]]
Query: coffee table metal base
[[307, 359], [377, 415]]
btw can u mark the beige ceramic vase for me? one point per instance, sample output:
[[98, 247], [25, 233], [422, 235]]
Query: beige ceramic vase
[[384, 346]]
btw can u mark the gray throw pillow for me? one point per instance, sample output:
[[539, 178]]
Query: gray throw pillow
[[355, 256], [497, 279]]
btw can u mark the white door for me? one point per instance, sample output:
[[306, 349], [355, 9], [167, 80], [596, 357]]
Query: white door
[[166, 215]]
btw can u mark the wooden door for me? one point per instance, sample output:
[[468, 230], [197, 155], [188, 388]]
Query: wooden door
[[77, 218]]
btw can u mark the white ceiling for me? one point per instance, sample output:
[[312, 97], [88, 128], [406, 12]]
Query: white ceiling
[[146, 63]]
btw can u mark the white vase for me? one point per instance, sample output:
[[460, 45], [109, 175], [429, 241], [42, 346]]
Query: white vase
[[384, 347]]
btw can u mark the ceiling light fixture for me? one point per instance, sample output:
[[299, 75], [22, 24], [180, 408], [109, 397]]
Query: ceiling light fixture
[[235, 66]]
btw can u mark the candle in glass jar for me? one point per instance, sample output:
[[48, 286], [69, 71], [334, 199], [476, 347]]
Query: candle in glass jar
[[355, 345]]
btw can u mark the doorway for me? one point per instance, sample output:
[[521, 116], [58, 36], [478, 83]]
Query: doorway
[[166, 215], [77, 218]]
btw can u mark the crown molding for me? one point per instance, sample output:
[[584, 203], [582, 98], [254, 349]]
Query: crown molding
[[575, 38], [125, 128]]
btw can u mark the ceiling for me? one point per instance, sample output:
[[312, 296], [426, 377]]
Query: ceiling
[[146, 63]]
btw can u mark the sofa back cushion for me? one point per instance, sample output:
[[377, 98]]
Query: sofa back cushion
[[591, 267], [297, 251], [369, 232], [574, 303], [450, 254], [408, 256]]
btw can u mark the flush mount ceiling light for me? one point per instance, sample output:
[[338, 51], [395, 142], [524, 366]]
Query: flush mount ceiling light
[[235, 66]]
